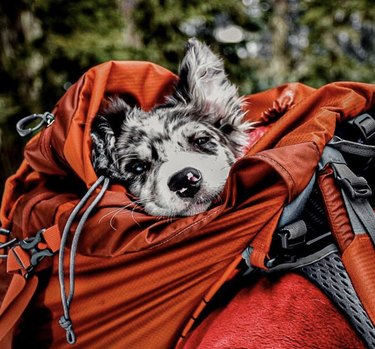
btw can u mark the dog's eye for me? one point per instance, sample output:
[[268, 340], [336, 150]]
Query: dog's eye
[[138, 167], [201, 141]]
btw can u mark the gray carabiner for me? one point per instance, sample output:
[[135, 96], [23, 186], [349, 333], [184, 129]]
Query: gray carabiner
[[45, 119]]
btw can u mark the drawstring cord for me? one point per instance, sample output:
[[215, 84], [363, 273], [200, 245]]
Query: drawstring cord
[[65, 321]]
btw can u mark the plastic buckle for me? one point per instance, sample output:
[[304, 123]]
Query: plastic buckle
[[293, 235], [37, 254], [358, 190], [7, 244], [366, 125]]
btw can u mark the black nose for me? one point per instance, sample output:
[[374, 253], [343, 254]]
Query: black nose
[[186, 183]]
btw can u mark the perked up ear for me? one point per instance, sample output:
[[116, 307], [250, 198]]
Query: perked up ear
[[204, 83], [203, 80]]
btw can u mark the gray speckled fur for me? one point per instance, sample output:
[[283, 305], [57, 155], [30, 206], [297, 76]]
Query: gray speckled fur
[[205, 104]]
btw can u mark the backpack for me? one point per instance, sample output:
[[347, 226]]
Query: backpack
[[135, 281]]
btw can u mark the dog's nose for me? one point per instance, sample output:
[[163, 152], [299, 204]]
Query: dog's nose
[[186, 183]]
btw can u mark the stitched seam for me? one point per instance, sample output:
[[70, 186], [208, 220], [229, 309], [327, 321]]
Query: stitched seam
[[183, 230], [264, 157]]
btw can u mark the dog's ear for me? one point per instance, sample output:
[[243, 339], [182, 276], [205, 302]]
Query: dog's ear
[[105, 130], [203, 81], [204, 84]]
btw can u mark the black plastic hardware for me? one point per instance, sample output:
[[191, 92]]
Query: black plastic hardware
[[366, 126], [37, 254], [359, 189]]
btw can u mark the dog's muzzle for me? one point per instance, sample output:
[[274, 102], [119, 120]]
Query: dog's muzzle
[[186, 183]]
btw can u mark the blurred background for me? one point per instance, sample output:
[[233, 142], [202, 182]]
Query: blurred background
[[47, 45]]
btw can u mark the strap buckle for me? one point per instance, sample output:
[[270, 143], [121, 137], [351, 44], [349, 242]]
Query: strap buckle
[[366, 126], [34, 245], [356, 190], [294, 248], [26, 254], [7, 243], [355, 186], [293, 235]]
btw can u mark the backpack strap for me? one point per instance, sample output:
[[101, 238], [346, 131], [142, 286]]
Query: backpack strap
[[328, 234], [17, 298], [24, 258]]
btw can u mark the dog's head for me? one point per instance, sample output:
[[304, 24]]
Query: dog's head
[[176, 158]]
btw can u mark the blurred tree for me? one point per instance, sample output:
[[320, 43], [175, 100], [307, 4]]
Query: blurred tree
[[47, 45]]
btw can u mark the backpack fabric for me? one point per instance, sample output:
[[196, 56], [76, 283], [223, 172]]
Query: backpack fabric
[[139, 279]]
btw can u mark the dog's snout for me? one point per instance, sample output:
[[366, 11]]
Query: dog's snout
[[186, 183]]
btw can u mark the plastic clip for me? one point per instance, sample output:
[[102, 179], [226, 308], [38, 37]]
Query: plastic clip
[[356, 189], [6, 244], [37, 254], [366, 126], [293, 235]]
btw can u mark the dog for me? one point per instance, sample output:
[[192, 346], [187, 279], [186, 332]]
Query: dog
[[175, 159]]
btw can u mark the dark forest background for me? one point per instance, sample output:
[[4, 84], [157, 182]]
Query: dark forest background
[[46, 45]]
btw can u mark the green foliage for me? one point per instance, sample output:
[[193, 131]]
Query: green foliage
[[46, 45]]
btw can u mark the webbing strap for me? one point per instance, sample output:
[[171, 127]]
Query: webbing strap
[[18, 296], [361, 215], [359, 149], [355, 192], [25, 255]]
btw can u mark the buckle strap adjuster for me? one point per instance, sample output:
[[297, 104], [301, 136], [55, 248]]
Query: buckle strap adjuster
[[293, 235], [26, 254], [366, 125], [356, 187], [37, 248]]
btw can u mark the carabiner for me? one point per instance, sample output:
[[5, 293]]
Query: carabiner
[[45, 119]]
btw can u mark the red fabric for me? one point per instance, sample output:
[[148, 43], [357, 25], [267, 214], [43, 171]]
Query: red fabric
[[139, 278], [283, 313]]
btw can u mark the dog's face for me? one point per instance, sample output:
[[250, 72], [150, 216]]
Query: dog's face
[[176, 158]]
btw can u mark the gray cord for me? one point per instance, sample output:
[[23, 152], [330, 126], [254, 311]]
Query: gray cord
[[77, 235], [65, 321]]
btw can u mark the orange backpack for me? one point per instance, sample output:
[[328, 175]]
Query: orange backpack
[[136, 281]]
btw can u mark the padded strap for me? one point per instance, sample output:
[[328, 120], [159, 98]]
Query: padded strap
[[331, 276], [355, 192], [17, 298], [354, 148]]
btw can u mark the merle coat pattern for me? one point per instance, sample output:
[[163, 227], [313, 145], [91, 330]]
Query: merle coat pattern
[[175, 158]]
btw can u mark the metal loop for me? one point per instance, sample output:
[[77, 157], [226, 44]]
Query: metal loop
[[45, 119]]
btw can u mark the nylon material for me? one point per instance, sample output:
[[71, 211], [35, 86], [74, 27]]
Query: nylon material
[[365, 215], [358, 259], [125, 231], [12, 194], [296, 164], [15, 301], [196, 257], [36, 211], [52, 238], [262, 241], [66, 108], [357, 226], [358, 149], [345, 101], [136, 77], [335, 209], [158, 304], [76, 149], [261, 104]]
